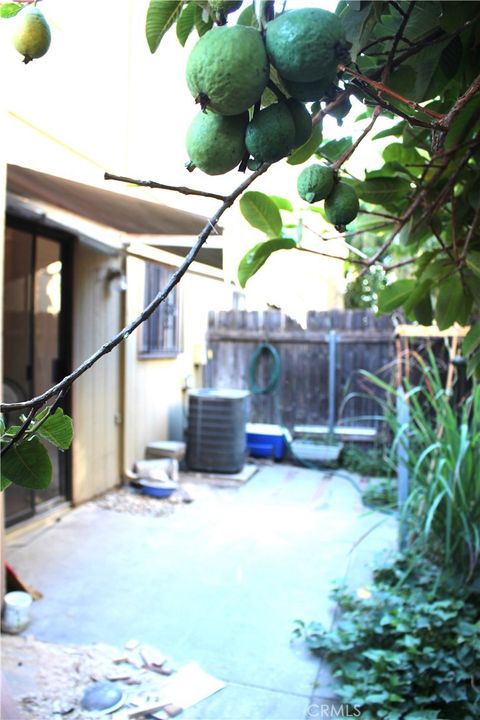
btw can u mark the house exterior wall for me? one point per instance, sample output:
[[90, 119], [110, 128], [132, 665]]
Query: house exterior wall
[[96, 394], [156, 388]]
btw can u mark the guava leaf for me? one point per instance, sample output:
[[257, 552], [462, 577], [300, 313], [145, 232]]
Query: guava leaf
[[161, 15], [471, 341], [397, 152], [282, 203], [473, 262], [8, 10], [383, 190], [203, 21], [332, 150], [301, 154], [450, 302], [394, 295], [261, 212], [419, 300], [57, 429], [423, 310], [185, 23], [257, 256], [248, 17], [396, 131], [27, 464]]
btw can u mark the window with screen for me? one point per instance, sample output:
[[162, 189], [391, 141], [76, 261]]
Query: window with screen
[[160, 333]]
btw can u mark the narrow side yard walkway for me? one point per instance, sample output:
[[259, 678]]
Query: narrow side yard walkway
[[219, 582]]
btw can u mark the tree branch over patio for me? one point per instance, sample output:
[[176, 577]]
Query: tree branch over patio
[[161, 186], [40, 400]]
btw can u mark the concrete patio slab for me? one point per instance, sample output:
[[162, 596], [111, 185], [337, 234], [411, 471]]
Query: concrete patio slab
[[219, 581]]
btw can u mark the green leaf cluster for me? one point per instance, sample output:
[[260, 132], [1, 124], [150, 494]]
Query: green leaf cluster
[[27, 462], [263, 213], [411, 649]]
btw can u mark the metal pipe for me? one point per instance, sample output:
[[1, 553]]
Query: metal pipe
[[403, 418], [332, 347]]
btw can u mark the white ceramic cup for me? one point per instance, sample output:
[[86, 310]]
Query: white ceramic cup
[[16, 611]]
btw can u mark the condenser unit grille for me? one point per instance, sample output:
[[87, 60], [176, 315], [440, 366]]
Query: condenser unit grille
[[216, 432]]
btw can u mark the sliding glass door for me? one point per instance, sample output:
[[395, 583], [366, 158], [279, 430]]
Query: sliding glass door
[[36, 343]]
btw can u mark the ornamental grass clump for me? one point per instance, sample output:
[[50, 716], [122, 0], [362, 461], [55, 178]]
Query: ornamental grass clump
[[442, 444]]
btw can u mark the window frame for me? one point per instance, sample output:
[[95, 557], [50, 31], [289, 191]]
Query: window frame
[[156, 328]]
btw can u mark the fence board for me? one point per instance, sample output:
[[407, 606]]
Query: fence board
[[364, 341]]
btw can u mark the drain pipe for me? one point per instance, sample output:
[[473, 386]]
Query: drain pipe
[[126, 475]]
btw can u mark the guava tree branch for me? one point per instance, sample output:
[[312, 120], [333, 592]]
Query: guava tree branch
[[446, 122], [21, 430], [161, 186], [398, 36], [392, 108], [470, 234], [175, 278], [349, 151], [421, 196], [382, 88]]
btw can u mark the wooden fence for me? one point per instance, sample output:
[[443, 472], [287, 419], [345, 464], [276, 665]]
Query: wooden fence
[[363, 341]]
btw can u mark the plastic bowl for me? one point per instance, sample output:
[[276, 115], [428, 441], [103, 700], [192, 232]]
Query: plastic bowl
[[149, 487]]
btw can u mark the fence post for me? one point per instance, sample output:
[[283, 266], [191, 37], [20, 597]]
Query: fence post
[[332, 347], [403, 419]]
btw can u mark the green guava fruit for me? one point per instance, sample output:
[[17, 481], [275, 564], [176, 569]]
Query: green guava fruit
[[341, 111], [271, 133], [227, 70], [32, 34], [302, 121], [308, 91], [306, 44], [215, 143], [315, 183], [341, 206]]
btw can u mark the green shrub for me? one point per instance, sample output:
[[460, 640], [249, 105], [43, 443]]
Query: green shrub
[[409, 650], [371, 462], [380, 494]]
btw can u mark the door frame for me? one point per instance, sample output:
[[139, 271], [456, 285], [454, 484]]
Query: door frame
[[66, 242]]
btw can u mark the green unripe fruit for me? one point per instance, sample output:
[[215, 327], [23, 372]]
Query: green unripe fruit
[[227, 70], [271, 133], [215, 143], [302, 121], [32, 34], [315, 183], [341, 206], [341, 111], [309, 91], [306, 44]]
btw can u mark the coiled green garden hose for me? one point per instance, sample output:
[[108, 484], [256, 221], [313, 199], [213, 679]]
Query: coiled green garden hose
[[276, 366]]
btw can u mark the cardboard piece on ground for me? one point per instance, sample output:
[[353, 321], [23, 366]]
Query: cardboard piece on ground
[[188, 686]]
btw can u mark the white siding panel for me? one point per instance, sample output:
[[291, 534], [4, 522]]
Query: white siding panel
[[96, 313]]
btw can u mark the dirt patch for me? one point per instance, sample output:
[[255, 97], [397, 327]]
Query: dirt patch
[[48, 680]]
